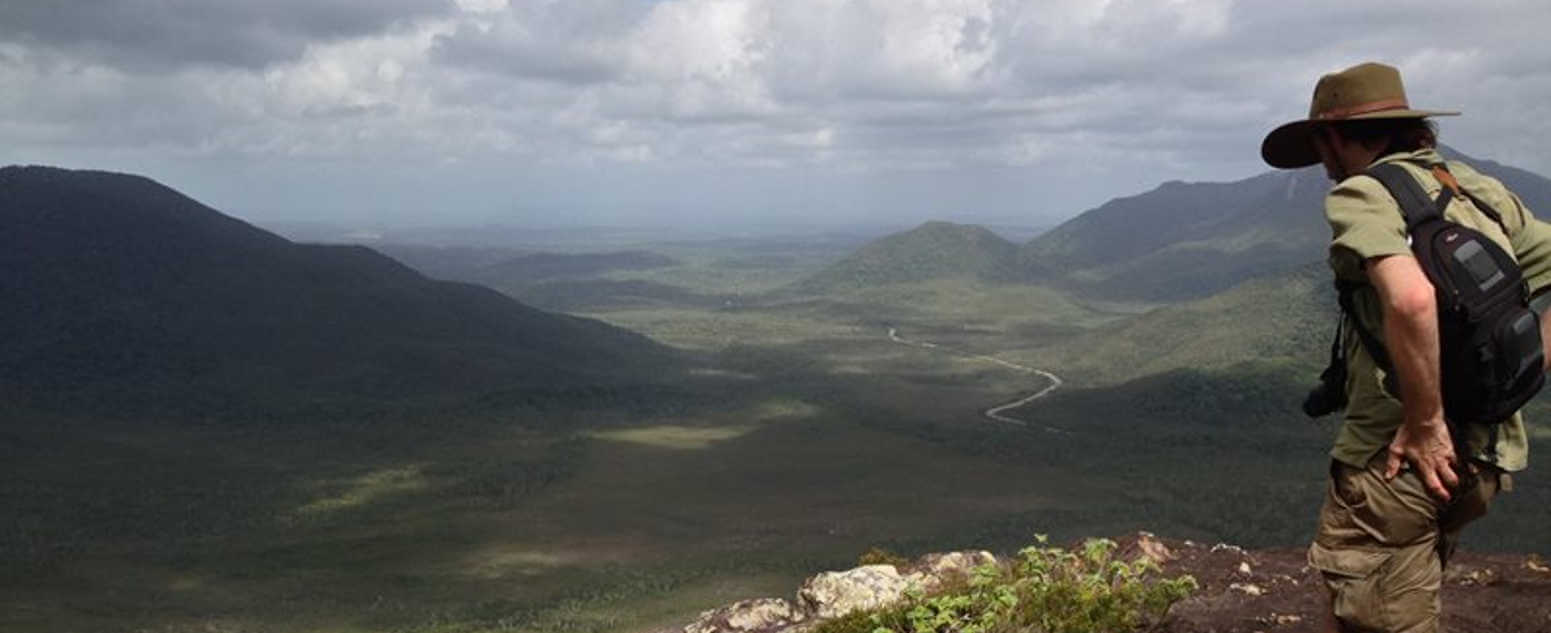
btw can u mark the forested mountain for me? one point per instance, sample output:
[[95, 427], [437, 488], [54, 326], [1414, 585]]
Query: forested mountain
[[1286, 317], [933, 250], [120, 293], [1190, 240], [1185, 240]]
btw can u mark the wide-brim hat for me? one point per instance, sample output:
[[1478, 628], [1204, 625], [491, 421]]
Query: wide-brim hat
[[1364, 91]]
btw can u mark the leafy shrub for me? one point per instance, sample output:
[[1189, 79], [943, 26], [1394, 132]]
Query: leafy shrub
[[1046, 590]]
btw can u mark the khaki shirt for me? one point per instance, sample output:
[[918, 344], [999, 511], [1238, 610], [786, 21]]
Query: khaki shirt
[[1365, 222]]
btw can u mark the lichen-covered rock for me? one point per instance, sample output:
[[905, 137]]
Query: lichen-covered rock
[[1247, 588], [1153, 548], [748, 616], [940, 568], [837, 593]]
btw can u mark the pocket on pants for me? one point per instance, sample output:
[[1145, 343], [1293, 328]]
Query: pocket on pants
[[1352, 577], [1397, 513]]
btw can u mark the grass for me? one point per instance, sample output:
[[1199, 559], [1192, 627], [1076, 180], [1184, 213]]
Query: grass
[[470, 530], [674, 436], [807, 438], [726, 269], [710, 331], [368, 488]]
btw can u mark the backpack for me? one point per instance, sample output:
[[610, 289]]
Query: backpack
[[1490, 352]]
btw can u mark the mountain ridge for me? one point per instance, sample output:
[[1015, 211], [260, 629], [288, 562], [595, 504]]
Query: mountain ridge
[[1191, 240], [123, 290], [1176, 242]]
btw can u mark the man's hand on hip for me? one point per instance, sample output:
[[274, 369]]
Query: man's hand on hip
[[1427, 446]]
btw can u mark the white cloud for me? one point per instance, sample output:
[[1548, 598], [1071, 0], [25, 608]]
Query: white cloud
[[1080, 93]]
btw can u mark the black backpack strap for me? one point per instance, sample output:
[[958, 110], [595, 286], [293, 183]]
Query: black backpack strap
[[1487, 210], [1415, 207], [1446, 178]]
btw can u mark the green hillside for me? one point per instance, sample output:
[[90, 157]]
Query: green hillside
[[122, 294], [930, 251], [1185, 241], [1286, 318]]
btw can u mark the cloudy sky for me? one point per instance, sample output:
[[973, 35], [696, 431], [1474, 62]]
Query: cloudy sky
[[698, 112]]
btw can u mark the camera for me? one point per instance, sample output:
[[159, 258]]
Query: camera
[[1329, 395]]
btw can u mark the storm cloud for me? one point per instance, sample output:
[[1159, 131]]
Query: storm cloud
[[158, 34], [420, 110]]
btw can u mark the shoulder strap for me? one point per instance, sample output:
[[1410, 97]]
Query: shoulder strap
[[1446, 178], [1487, 209], [1414, 205]]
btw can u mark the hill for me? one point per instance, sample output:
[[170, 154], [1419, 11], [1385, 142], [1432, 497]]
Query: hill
[[1185, 240], [1190, 240], [122, 293], [1287, 317], [930, 251]]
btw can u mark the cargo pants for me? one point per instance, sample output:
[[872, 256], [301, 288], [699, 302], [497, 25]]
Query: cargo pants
[[1381, 545]]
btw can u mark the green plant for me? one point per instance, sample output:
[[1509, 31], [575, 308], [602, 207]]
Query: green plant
[[1089, 590], [1046, 589]]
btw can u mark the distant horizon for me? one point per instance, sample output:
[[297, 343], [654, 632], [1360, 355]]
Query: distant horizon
[[698, 227]]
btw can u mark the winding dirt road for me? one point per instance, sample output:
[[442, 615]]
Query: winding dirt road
[[995, 413]]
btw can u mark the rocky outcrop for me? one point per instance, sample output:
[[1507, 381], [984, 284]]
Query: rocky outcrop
[[834, 594], [934, 569], [1241, 591], [763, 614]]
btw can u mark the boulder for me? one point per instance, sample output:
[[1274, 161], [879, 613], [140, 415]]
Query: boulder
[[1154, 549], [951, 565], [747, 616], [837, 593]]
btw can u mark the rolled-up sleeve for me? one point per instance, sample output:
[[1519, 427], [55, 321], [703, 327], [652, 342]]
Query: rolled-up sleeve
[[1532, 247], [1365, 222]]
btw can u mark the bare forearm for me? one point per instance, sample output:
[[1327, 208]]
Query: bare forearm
[[1545, 337], [1411, 335], [1412, 339]]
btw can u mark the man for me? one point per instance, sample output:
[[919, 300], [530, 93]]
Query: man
[[1399, 493]]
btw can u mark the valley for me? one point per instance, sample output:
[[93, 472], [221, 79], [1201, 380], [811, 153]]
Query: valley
[[1052, 382], [742, 412]]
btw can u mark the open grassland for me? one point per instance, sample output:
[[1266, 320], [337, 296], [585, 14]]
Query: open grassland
[[738, 267], [635, 522], [457, 525], [714, 330], [807, 437]]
